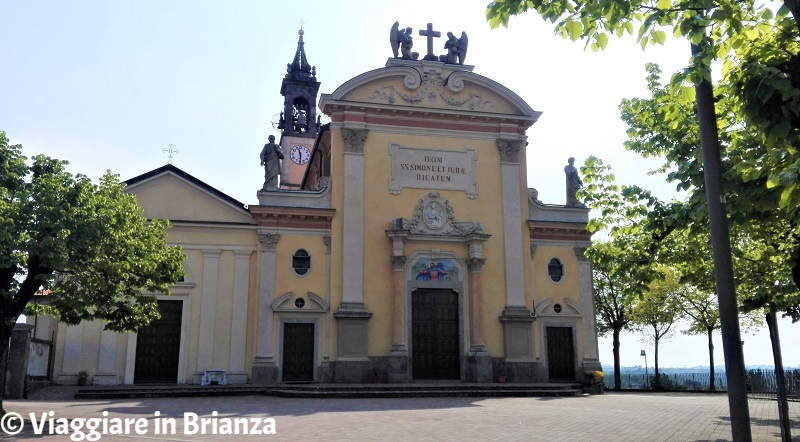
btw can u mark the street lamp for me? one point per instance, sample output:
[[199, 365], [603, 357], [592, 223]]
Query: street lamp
[[646, 374]]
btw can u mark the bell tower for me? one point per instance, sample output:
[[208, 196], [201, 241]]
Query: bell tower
[[298, 122]]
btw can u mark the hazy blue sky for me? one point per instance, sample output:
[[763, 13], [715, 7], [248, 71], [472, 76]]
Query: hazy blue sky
[[108, 85]]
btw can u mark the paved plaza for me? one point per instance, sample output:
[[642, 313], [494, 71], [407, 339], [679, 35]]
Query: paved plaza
[[610, 417]]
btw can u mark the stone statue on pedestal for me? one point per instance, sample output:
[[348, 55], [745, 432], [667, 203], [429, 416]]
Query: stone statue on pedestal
[[573, 183], [271, 156]]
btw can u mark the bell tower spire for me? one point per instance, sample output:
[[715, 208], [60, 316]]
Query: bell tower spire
[[299, 89], [298, 122]]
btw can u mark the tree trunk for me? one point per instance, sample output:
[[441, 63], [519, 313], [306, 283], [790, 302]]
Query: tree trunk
[[794, 7], [6, 329], [721, 251], [657, 380], [617, 375], [711, 386], [783, 405]]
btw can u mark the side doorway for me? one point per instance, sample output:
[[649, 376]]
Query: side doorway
[[560, 354], [298, 352]]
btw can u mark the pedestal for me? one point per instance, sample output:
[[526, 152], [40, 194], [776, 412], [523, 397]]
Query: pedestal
[[264, 372], [352, 363]]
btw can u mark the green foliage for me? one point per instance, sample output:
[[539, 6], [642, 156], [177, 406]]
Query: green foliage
[[765, 236], [660, 307], [110, 261]]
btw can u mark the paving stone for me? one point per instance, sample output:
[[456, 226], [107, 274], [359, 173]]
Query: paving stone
[[609, 417]]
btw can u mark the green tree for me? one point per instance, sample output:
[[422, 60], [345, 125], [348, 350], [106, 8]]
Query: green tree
[[702, 310], [616, 292], [714, 30], [620, 265], [111, 260], [658, 310]]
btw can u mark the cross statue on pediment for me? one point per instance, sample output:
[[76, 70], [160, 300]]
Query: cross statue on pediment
[[430, 33]]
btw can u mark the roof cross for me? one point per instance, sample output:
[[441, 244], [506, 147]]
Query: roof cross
[[170, 151], [430, 33]]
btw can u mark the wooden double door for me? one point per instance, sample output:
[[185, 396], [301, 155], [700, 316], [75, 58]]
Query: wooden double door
[[435, 334], [158, 346]]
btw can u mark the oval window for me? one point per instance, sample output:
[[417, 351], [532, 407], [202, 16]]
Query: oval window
[[555, 270], [301, 262]]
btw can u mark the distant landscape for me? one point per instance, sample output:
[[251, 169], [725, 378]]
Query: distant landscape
[[695, 369]]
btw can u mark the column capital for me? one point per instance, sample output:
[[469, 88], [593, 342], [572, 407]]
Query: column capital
[[354, 140], [533, 250], [509, 150], [475, 264], [580, 253], [269, 241], [398, 262], [327, 241]]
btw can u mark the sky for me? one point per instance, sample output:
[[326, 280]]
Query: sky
[[111, 85]]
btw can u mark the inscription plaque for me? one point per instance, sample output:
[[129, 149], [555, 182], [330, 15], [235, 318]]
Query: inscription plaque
[[432, 169]]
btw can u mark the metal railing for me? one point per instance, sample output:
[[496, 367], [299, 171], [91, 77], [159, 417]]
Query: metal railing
[[759, 382]]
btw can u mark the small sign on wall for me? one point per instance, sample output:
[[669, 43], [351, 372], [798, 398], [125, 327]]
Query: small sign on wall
[[432, 169]]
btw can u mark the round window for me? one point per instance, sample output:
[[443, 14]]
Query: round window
[[557, 308], [299, 302]]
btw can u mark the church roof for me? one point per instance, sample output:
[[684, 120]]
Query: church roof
[[169, 168]]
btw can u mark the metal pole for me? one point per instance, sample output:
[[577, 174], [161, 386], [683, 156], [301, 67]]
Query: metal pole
[[723, 265]]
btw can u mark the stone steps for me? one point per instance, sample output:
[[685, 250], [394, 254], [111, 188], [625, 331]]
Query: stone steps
[[335, 390]]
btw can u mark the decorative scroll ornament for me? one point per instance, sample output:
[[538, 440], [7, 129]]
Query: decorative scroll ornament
[[433, 215], [432, 89]]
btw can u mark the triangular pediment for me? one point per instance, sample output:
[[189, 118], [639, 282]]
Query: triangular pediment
[[169, 193]]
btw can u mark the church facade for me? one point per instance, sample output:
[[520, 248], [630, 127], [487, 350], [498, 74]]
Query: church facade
[[403, 244]]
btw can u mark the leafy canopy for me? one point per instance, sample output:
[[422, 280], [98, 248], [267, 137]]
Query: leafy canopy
[[108, 259]]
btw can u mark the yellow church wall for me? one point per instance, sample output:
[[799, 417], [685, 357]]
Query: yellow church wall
[[545, 287], [381, 207], [221, 236], [568, 287], [286, 280], [170, 197]]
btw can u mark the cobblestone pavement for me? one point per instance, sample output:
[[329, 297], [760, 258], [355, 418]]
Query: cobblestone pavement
[[610, 417]]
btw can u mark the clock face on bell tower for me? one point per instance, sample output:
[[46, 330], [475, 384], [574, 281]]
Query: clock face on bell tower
[[299, 154]]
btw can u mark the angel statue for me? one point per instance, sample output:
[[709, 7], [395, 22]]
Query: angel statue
[[456, 49], [402, 40]]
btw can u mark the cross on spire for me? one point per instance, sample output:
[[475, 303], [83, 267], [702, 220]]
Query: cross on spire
[[302, 23], [170, 151], [430, 33]]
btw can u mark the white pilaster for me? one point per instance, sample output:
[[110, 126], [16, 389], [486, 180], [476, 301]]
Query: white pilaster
[[208, 309], [353, 216], [512, 219], [266, 292], [130, 358], [72, 353], [107, 360], [586, 288], [241, 284]]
